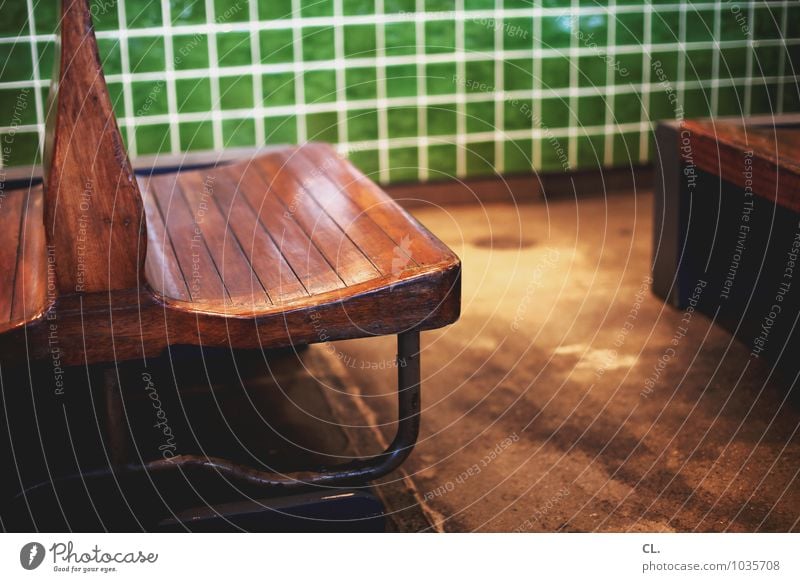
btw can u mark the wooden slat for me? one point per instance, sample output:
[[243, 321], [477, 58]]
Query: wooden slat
[[196, 264], [264, 255], [30, 286], [11, 220], [371, 240], [384, 211], [344, 256], [242, 283], [162, 269]]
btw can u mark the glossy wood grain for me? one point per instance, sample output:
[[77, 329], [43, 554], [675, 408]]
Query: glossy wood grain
[[291, 247], [720, 147]]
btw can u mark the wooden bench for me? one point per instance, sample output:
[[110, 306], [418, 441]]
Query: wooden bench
[[289, 248]]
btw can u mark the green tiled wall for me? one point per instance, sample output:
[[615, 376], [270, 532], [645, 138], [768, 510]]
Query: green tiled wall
[[412, 89]]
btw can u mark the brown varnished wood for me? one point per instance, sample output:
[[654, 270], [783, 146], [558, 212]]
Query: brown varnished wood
[[93, 211], [291, 247], [719, 147]]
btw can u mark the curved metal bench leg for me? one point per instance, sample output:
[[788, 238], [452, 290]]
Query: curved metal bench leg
[[255, 481]]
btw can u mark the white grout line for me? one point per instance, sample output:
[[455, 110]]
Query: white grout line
[[644, 94], [213, 74], [500, 85], [258, 85], [536, 153], [37, 95], [572, 142], [681, 48], [382, 104], [461, 74], [296, 68], [422, 89], [127, 90], [172, 97], [341, 81], [716, 32], [782, 60], [748, 90]]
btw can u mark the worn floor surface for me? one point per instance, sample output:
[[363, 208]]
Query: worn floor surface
[[545, 406]]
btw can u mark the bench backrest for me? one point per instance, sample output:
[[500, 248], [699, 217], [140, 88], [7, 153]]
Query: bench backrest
[[94, 217]]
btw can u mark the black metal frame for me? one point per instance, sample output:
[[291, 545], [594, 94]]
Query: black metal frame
[[169, 476]]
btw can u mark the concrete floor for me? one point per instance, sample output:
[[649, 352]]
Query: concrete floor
[[537, 415]]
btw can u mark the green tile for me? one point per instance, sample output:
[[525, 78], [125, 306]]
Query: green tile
[[480, 116], [401, 80], [401, 38], [767, 23], [665, 25], [367, 161], [441, 78], [479, 4], [518, 114], [318, 43], [316, 8], [104, 14], [196, 136], [442, 161], [764, 99], [110, 57], [479, 76], [404, 164], [590, 151], [44, 13], [117, 99], [277, 46], [233, 49], [322, 127], [278, 89], [699, 25], [699, 64], [236, 92], [661, 106], [592, 71], [627, 108], [592, 111], [149, 98], [228, 11], [193, 95], [362, 125], [359, 41], [280, 130], [143, 13], [480, 159], [399, 6], [592, 30], [358, 7], [319, 86], [555, 112], [15, 62], [275, 9], [629, 28], [626, 149], [46, 51], [440, 36], [556, 31], [735, 22], [361, 83], [627, 69], [146, 55], [518, 74], [17, 107], [555, 151], [438, 5], [190, 52], [664, 64], [517, 156], [696, 103], [186, 11], [442, 119], [238, 133], [13, 19], [518, 33], [730, 101], [402, 121], [20, 149], [479, 35], [152, 139], [556, 72]]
